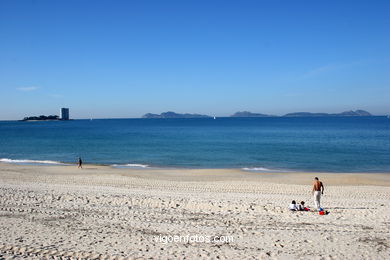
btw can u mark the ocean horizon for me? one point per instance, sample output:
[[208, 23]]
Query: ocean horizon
[[271, 144]]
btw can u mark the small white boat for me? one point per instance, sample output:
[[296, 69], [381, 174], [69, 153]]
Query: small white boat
[[215, 118]]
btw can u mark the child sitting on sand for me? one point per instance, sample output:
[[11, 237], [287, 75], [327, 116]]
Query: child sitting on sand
[[293, 206], [301, 207]]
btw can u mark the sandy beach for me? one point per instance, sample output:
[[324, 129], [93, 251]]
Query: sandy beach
[[61, 212]]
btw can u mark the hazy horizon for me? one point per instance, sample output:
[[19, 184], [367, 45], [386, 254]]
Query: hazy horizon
[[124, 59], [207, 114]]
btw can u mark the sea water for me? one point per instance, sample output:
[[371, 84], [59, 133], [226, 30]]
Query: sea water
[[327, 144]]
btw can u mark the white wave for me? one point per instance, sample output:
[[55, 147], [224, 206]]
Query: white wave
[[262, 169], [26, 161], [256, 169], [131, 165]]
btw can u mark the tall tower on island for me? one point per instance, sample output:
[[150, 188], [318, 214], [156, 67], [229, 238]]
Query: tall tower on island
[[64, 113]]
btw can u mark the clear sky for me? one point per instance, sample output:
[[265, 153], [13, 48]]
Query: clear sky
[[126, 58]]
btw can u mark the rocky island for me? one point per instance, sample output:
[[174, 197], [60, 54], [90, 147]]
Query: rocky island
[[41, 118], [249, 114], [64, 116], [170, 114], [346, 113]]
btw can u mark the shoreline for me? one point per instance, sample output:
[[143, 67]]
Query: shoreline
[[139, 166], [210, 174]]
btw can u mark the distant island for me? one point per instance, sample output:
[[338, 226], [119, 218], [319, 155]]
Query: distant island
[[173, 115], [304, 114], [249, 114], [41, 118], [64, 116], [346, 113]]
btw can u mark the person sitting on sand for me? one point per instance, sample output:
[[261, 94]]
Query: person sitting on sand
[[301, 207], [293, 206]]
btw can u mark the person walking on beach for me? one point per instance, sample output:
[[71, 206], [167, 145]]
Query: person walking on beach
[[80, 163], [318, 190]]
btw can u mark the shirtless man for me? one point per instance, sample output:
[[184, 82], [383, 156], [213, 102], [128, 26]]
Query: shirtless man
[[318, 189]]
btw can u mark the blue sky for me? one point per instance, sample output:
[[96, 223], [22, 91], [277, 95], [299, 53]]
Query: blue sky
[[126, 58]]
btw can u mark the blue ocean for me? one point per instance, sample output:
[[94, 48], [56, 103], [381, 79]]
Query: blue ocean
[[326, 144]]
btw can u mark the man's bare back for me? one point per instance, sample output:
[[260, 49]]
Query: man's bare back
[[318, 186]]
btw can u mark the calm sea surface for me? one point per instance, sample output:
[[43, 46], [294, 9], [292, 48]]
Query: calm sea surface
[[333, 144]]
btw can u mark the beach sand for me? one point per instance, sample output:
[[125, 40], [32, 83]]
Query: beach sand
[[103, 213]]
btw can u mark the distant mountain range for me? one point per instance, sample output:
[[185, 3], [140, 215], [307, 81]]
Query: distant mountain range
[[346, 113], [304, 114], [250, 114]]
